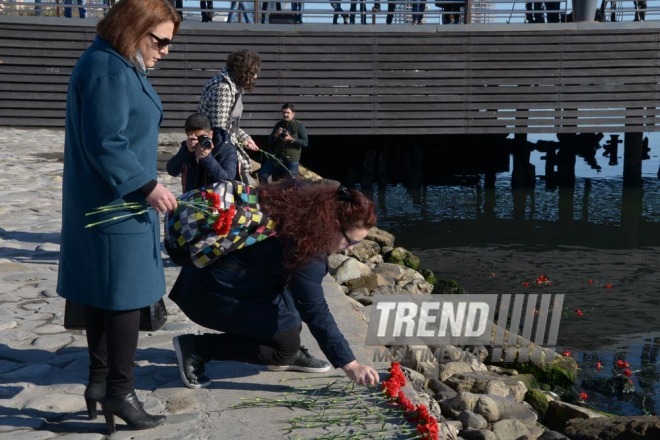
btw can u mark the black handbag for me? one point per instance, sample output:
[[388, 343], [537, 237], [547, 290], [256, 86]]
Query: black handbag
[[152, 317]]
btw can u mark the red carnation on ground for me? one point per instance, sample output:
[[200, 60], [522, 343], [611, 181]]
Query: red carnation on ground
[[427, 425]]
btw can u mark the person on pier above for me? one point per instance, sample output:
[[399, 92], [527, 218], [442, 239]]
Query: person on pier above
[[205, 157], [336, 6], [260, 295], [207, 11], [82, 12], [451, 11], [534, 12], [286, 141]]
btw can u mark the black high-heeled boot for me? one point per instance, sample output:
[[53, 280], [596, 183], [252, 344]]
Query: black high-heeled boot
[[130, 410], [94, 393]]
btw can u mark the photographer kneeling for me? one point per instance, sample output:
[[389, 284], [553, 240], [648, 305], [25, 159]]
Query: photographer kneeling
[[285, 143], [205, 157]]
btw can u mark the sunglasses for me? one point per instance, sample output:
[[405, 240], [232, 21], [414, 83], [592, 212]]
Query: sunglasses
[[348, 240], [161, 42]]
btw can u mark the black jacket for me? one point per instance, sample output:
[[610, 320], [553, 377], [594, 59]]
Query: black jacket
[[221, 164], [245, 293]]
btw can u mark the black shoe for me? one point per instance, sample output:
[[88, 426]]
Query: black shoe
[[94, 393], [130, 410], [304, 362], [191, 365]]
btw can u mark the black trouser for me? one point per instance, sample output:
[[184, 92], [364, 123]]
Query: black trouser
[[207, 17], [552, 12], [537, 16], [640, 10], [336, 6], [264, 8], [363, 11], [391, 7], [281, 349], [112, 338]]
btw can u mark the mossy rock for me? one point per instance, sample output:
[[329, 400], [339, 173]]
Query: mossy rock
[[402, 257], [429, 276], [559, 372], [537, 400], [447, 287], [529, 380]]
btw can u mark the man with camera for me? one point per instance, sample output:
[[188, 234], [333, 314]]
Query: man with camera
[[205, 157], [285, 144]]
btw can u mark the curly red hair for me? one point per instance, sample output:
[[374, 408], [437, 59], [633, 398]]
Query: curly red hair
[[309, 216]]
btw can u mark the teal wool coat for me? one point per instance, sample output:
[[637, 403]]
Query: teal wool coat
[[110, 152]]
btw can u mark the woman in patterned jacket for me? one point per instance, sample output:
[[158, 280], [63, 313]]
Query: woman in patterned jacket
[[222, 102]]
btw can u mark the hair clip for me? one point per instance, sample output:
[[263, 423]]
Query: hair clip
[[343, 195]]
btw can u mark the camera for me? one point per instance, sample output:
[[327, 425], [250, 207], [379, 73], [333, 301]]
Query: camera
[[283, 134], [205, 142]]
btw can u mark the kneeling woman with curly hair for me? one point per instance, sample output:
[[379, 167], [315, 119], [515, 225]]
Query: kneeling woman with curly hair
[[259, 295]]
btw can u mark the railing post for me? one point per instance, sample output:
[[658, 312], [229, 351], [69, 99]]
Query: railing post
[[257, 12], [468, 12]]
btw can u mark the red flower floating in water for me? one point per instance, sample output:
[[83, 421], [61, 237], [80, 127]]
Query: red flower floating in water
[[525, 284], [627, 372], [608, 285], [583, 396], [622, 364], [579, 313], [542, 280], [590, 282], [599, 365]]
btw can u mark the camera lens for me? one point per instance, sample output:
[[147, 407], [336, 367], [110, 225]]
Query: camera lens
[[204, 142]]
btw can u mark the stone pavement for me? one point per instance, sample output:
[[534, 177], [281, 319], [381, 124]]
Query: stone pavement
[[43, 367]]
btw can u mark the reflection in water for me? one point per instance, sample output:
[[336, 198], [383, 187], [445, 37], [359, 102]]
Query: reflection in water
[[598, 242]]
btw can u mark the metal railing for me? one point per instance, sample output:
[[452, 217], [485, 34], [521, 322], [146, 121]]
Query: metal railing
[[431, 12]]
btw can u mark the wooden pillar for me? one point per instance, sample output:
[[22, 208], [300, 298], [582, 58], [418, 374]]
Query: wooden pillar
[[524, 173], [631, 215], [368, 166], [566, 161], [550, 162], [632, 159], [416, 156], [585, 200], [566, 203]]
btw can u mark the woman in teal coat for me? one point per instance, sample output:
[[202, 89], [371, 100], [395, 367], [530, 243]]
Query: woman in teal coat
[[114, 269]]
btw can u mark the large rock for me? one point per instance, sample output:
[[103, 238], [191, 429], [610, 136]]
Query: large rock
[[334, 261], [515, 429], [402, 257], [492, 408], [559, 413], [383, 238], [449, 369], [370, 282], [459, 403], [538, 400], [472, 420], [364, 251], [489, 383], [478, 434], [614, 428], [393, 272], [350, 270]]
